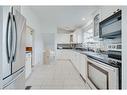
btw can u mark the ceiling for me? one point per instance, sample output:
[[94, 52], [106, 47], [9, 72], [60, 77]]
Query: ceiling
[[67, 18]]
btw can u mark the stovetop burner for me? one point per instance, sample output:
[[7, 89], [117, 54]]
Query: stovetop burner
[[114, 61]]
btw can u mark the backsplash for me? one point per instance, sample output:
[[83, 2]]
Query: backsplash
[[100, 44], [94, 45], [105, 42], [66, 46]]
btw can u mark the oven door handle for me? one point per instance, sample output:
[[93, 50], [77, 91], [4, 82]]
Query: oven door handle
[[103, 65]]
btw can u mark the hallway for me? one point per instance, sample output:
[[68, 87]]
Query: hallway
[[61, 75]]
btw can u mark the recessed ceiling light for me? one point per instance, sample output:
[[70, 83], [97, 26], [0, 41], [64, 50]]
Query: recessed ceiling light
[[83, 19]]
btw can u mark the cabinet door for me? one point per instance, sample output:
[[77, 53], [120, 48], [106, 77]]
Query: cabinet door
[[96, 25], [78, 61], [75, 59], [74, 38], [83, 66], [107, 11], [63, 38], [68, 54], [60, 54], [63, 54]]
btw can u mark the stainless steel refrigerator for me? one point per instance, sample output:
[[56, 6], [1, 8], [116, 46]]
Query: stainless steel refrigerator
[[13, 48]]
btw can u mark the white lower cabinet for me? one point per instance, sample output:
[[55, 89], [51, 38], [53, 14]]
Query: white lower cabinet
[[83, 66], [72, 56], [78, 60], [62, 54]]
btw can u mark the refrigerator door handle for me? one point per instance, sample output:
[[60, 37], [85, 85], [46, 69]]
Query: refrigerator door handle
[[12, 39], [9, 38], [15, 38]]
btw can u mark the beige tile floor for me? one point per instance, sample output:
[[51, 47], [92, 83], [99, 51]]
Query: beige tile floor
[[59, 75]]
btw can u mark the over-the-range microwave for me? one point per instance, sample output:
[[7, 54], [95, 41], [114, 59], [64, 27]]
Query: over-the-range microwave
[[111, 27]]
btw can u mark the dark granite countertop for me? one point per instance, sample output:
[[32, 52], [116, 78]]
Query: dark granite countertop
[[103, 58]]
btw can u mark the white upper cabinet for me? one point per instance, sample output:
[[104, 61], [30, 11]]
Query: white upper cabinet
[[107, 11], [79, 37], [63, 38], [96, 25], [67, 38], [75, 37]]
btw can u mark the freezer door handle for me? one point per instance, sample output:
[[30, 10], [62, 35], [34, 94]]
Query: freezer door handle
[[9, 38]]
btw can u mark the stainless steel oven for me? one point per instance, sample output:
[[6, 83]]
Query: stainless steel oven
[[115, 57], [101, 75]]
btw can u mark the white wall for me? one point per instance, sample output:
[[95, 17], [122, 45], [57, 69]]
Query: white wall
[[124, 48], [48, 40], [48, 28], [41, 27], [28, 37], [34, 22]]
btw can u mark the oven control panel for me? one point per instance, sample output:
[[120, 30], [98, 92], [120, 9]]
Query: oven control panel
[[115, 47]]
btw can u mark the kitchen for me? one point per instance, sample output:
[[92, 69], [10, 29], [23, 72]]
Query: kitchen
[[89, 39], [92, 53]]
